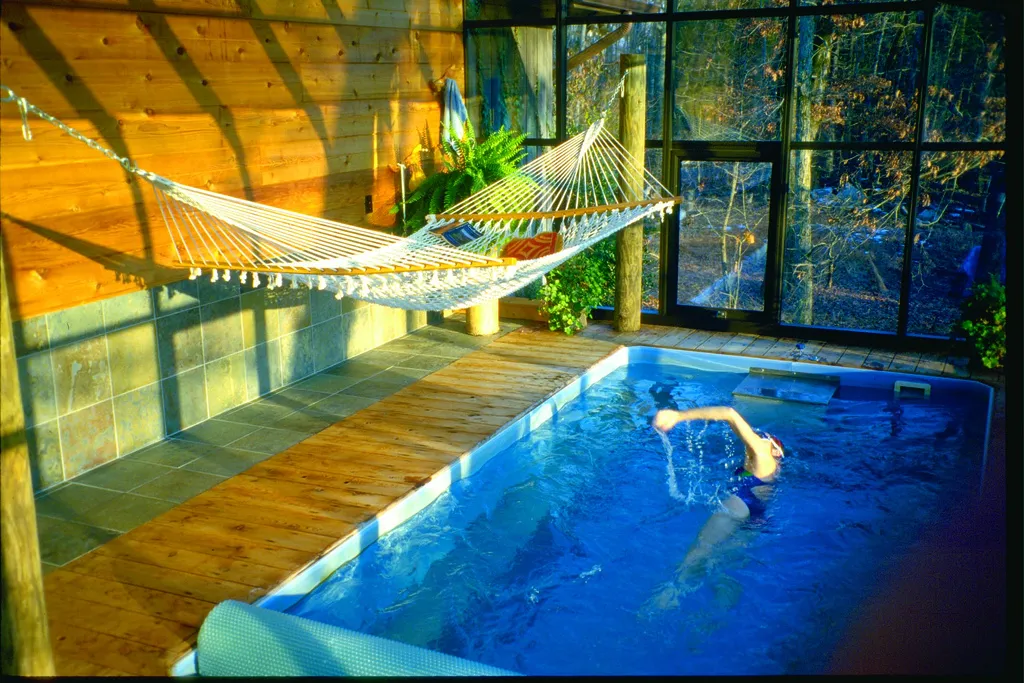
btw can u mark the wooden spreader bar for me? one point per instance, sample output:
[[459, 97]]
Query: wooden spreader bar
[[289, 270], [562, 213]]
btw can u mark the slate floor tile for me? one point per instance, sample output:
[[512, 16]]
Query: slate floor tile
[[122, 475], [126, 512], [61, 541], [179, 485]]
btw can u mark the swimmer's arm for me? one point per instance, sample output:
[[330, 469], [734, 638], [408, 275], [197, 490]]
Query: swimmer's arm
[[667, 419]]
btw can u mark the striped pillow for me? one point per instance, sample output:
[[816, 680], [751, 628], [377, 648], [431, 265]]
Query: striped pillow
[[542, 244]]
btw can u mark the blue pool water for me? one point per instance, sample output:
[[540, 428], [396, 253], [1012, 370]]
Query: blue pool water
[[547, 560]]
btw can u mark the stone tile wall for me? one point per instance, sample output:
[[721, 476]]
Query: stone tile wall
[[105, 379]]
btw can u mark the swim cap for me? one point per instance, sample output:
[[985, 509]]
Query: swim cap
[[776, 441]]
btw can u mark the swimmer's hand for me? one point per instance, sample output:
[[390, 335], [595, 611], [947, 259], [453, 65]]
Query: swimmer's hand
[[666, 598], [665, 420]]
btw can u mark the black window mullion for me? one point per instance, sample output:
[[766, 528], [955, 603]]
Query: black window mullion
[[775, 261], [667, 258], [903, 315]]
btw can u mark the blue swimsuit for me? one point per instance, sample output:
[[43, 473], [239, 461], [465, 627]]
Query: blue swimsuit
[[746, 494]]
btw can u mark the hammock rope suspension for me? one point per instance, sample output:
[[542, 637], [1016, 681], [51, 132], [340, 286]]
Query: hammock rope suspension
[[585, 189]]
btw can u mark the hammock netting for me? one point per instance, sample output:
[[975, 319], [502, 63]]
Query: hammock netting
[[584, 190]]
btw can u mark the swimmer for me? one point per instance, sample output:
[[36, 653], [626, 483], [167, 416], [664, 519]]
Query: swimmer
[[763, 452]]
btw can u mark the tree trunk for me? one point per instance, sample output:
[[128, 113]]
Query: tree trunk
[[630, 241], [24, 628], [800, 272]]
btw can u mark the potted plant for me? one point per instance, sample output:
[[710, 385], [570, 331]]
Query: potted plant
[[574, 288], [983, 321]]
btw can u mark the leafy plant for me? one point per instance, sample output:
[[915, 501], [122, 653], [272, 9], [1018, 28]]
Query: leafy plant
[[983, 320], [578, 285], [469, 166]]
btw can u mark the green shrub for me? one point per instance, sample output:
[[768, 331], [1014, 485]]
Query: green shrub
[[983, 320], [578, 285], [469, 166]]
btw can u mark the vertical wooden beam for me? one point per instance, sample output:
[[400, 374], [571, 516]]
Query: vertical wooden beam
[[482, 319], [630, 241], [24, 633]]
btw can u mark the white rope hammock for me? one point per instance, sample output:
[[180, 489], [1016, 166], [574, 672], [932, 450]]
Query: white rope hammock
[[584, 189]]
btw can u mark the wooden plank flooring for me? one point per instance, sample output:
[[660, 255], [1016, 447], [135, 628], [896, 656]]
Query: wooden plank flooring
[[135, 604]]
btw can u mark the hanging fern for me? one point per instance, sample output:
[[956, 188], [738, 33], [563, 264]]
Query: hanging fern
[[469, 166]]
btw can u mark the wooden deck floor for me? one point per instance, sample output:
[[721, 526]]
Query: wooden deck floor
[[135, 604]]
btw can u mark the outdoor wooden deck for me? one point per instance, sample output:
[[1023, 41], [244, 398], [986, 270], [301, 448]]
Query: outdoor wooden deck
[[135, 604]]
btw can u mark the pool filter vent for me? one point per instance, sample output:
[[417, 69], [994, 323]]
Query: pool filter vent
[[788, 385]]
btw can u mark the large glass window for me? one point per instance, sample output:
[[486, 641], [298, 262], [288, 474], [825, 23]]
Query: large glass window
[[856, 77], [593, 72], [844, 239], [697, 5], [652, 245], [723, 233], [842, 163], [966, 99], [959, 235], [729, 79], [651, 297]]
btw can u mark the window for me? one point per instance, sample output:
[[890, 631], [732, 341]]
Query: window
[[856, 77], [844, 239], [729, 79], [966, 99], [959, 235], [593, 72], [842, 163]]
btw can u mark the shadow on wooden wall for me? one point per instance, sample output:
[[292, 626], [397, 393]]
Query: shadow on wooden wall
[[308, 121]]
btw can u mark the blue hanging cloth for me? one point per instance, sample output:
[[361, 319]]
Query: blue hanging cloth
[[454, 116]]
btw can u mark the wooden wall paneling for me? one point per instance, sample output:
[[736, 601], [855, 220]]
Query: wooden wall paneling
[[332, 123], [279, 102], [41, 191], [433, 14], [144, 134]]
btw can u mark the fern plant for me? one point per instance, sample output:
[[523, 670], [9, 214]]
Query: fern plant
[[469, 166]]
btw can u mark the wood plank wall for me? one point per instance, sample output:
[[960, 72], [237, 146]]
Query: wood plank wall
[[301, 104]]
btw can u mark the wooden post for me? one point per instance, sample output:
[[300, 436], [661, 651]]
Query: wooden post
[[629, 242], [482, 319], [24, 632]]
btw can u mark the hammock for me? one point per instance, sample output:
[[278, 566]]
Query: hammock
[[584, 190]]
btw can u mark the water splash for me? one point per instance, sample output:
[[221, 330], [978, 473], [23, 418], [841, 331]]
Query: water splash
[[673, 489], [699, 484]]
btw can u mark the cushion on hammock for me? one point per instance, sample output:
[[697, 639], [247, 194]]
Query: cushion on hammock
[[457, 234], [542, 244]]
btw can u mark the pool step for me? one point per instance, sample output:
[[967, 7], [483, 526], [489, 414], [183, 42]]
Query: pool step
[[788, 385]]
